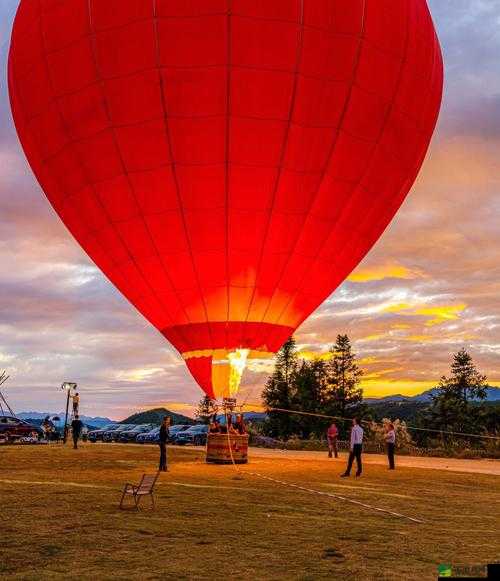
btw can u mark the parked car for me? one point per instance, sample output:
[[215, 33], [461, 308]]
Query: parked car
[[12, 428], [112, 435], [131, 435], [196, 435], [173, 431], [96, 435], [153, 436]]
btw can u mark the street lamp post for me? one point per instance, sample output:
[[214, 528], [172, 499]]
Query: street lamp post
[[68, 386]]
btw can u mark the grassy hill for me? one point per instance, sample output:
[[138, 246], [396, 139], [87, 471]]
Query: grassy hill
[[155, 416]]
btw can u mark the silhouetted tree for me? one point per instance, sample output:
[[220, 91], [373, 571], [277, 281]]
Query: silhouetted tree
[[343, 396], [313, 387], [278, 391], [455, 406], [205, 410], [465, 382], [310, 382]]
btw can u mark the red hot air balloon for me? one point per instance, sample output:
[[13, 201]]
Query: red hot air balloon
[[226, 163]]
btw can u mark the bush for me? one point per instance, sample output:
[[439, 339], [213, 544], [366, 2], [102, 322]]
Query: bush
[[376, 434]]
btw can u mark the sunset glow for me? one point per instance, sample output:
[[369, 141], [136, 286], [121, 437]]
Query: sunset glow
[[429, 287]]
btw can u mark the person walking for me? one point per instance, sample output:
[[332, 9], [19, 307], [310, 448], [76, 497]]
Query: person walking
[[331, 436], [76, 430], [163, 443], [356, 449], [390, 440]]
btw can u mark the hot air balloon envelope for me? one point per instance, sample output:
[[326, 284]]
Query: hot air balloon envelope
[[225, 163]]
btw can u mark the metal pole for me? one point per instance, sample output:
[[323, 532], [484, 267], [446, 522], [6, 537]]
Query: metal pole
[[65, 434]]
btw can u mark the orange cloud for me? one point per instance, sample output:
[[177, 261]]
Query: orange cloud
[[315, 355], [399, 308], [377, 374], [374, 337], [387, 270], [370, 360], [420, 338], [439, 313]]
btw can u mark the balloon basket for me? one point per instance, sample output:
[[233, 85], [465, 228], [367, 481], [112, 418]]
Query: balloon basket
[[219, 452]]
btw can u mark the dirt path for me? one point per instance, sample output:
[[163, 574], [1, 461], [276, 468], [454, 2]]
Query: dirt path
[[483, 466]]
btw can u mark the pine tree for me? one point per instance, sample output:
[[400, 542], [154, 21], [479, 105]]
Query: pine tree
[[310, 382], [205, 410], [451, 407], [465, 382], [279, 388], [343, 397]]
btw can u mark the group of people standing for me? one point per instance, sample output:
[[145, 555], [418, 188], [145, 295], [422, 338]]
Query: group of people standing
[[215, 427], [356, 445], [230, 427], [238, 427]]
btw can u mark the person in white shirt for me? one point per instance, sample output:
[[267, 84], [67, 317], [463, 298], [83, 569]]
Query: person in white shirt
[[390, 440], [356, 449]]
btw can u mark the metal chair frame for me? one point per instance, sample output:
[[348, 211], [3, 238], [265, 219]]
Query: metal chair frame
[[137, 491]]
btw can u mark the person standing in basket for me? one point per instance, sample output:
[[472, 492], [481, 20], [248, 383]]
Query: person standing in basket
[[356, 449], [390, 440], [163, 443], [239, 425]]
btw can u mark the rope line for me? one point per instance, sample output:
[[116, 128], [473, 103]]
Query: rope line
[[346, 419], [338, 497], [239, 472]]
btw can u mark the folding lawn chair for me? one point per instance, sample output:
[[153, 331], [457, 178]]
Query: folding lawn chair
[[144, 488]]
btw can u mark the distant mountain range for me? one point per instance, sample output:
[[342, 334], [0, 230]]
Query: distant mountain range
[[98, 422], [492, 394], [154, 416]]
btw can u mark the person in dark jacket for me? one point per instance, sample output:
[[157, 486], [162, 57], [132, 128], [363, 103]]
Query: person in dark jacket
[[76, 430], [163, 443]]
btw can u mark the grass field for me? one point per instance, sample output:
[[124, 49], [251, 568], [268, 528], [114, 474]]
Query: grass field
[[60, 518]]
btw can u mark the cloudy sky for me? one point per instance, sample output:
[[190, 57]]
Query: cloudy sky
[[430, 286]]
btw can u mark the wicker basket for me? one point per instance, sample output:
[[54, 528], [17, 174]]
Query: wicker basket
[[218, 450]]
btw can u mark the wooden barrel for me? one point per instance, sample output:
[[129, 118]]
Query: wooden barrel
[[218, 450]]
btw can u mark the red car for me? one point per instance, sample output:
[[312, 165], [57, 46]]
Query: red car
[[13, 428]]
